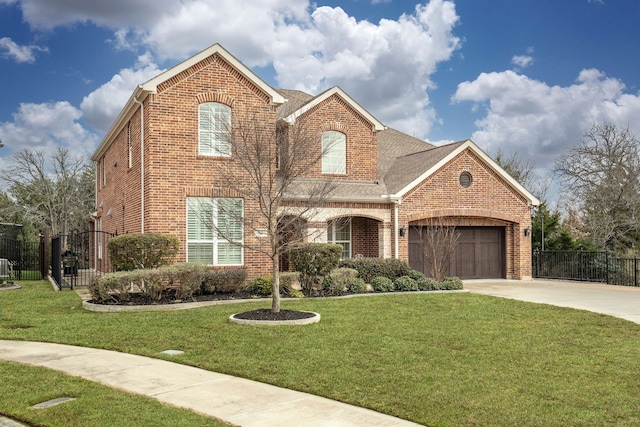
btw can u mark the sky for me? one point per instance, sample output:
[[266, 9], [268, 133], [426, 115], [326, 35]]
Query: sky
[[521, 76]]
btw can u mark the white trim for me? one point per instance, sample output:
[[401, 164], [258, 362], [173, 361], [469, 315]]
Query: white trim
[[375, 123], [468, 144]]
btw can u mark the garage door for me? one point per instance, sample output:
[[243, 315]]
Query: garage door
[[479, 253]]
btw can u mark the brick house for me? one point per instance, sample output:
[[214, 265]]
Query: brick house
[[161, 155]]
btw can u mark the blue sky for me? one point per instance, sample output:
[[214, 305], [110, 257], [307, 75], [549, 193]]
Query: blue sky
[[526, 76]]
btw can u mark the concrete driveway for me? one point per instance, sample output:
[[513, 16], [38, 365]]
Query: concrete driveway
[[618, 301]]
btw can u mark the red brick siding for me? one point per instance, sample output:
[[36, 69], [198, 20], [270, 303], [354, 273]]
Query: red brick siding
[[490, 200]]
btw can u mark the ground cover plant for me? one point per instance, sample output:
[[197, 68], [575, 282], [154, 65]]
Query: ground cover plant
[[94, 404], [437, 359]]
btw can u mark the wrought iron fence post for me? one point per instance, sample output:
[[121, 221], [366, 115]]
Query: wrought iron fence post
[[635, 271], [606, 268]]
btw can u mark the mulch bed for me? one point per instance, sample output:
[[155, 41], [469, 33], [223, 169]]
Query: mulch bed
[[266, 314]]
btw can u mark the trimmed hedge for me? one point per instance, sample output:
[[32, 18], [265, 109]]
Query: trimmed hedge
[[369, 268], [224, 281], [314, 261], [179, 281], [137, 251], [405, 283], [382, 284], [337, 282]]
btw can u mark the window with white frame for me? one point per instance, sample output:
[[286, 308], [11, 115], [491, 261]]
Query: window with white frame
[[214, 126], [130, 145], [334, 152], [215, 231], [339, 232]]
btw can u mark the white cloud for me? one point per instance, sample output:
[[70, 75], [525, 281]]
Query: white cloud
[[102, 106], [387, 66], [541, 121], [45, 126], [522, 61], [19, 53]]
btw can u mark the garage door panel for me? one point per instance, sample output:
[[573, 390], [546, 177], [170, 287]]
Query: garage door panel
[[479, 254]]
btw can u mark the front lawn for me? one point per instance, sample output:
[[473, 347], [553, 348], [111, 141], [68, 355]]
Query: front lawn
[[437, 359]]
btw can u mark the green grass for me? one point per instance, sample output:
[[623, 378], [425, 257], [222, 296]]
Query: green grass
[[436, 359], [93, 404]]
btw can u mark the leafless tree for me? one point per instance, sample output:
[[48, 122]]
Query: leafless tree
[[602, 174], [50, 190], [269, 168], [438, 243], [524, 172]]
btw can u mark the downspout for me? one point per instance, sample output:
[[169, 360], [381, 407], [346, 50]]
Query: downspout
[[141, 163]]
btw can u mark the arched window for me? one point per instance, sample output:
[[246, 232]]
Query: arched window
[[334, 152], [214, 125]]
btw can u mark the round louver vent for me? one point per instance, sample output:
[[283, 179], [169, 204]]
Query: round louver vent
[[465, 179]]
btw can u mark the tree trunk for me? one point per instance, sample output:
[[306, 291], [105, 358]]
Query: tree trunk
[[275, 291]]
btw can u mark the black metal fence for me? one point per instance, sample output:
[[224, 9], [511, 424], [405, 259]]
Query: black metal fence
[[77, 258], [586, 266], [20, 260]]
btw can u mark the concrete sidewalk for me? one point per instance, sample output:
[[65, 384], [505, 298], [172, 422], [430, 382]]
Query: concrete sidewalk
[[235, 400], [617, 301]]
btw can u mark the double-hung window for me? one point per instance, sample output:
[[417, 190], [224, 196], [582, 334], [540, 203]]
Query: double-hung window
[[339, 232], [214, 129], [215, 231], [334, 152]]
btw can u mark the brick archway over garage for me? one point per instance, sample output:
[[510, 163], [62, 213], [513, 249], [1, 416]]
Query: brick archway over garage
[[489, 238]]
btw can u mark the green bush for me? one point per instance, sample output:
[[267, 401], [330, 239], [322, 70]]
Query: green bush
[[224, 281], [405, 283], [452, 284], [358, 286], [137, 251], [368, 268], [416, 275], [264, 285], [427, 284], [289, 280], [314, 261], [178, 281], [339, 280], [382, 284], [113, 287]]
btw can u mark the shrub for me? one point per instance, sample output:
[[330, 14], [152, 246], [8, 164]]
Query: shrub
[[368, 268], [405, 283], [225, 281], [314, 261], [339, 280], [264, 286], [289, 280], [427, 284], [261, 285], [381, 284], [135, 251], [185, 279], [358, 286], [416, 275], [111, 287], [452, 283]]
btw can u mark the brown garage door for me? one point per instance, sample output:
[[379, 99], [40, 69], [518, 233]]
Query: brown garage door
[[479, 253]]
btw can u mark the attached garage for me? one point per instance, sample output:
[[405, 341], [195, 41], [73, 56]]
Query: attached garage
[[479, 253]]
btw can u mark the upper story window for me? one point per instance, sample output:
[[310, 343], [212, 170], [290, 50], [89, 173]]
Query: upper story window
[[334, 152], [130, 145], [214, 125]]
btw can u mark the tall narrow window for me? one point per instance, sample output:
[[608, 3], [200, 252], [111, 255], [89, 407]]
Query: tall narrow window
[[339, 232], [130, 145], [214, 125], [334, 152], [214, 231]]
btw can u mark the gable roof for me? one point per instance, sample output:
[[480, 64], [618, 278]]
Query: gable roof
[[410, 170], [142, 91], [302, 105]]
